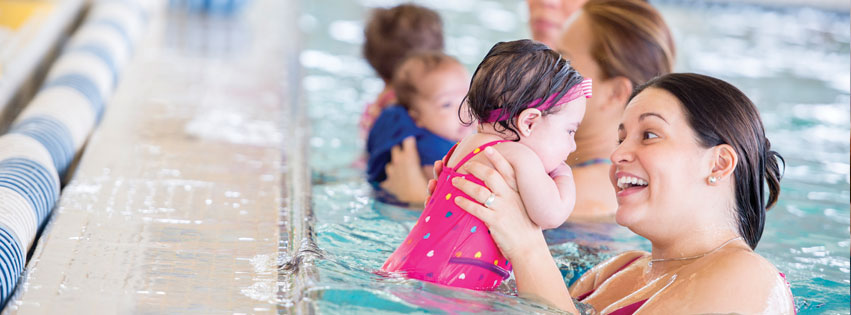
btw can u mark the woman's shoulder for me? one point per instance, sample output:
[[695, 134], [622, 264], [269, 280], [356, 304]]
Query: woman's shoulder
[[733, 263], [720, 284], [623, 259]]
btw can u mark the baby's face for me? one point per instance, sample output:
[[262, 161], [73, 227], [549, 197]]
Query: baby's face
[[552, 137], [439, 96]]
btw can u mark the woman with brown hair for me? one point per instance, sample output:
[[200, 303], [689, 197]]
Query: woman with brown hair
[[690, 172], [619, 44]]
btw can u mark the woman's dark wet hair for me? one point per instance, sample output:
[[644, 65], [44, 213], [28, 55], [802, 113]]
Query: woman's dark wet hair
[[512, 75], [720, 113]]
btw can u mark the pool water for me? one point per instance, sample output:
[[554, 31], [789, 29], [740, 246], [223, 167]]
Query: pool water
[[792, 62]]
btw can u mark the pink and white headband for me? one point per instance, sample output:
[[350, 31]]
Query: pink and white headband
[[581, 89]]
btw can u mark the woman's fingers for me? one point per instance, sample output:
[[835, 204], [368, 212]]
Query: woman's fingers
[[407, 152], [477, 210], [389, 170], [409, 145], [405, 177], [493, 179], [502, 166], [475, 191], [431, 185], [438, 167]]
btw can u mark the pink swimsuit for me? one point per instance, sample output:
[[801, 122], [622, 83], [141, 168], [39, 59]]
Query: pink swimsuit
[[449, 246]]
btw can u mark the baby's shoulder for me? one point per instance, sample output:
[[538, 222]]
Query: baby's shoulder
[[515, 151], [394, 112]]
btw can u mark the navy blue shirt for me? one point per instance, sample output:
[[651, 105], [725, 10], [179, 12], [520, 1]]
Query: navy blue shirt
[[392, 126]]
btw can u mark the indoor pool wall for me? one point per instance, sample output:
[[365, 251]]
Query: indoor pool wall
[[796, 73]]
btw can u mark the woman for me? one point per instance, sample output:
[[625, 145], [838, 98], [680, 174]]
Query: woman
[[619, 44], [689, 174]]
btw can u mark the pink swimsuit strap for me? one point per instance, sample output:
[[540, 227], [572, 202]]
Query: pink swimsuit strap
[[471, 154]]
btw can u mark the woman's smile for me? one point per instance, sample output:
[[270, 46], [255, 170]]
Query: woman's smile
[[627, 184]]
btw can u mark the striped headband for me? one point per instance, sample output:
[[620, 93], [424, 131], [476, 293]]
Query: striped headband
[[581, 89]]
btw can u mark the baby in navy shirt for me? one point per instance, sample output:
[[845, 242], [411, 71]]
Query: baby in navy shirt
[[430, 87]]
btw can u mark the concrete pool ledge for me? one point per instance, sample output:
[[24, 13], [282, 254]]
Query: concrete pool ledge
[[297, 272], [175, 204]]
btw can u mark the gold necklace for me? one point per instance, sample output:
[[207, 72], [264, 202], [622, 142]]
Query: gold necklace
[[694, 257]]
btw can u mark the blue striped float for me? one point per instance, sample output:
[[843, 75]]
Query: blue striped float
[[79, 63], [118, 27], [104, 36], [11, 263], [66, 106], [82, 84], [47, 135], [29, 189], [100, 52], [129, 14], [53, 135]]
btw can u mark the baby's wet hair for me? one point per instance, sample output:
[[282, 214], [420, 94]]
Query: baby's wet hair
[[413, 68], [514, 74]]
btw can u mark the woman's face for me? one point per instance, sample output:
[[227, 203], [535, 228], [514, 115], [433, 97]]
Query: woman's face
[[546, 18], [659, 168]]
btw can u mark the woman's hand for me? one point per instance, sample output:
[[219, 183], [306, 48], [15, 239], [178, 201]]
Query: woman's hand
[[405, 177], [519, 239], [506, 216], [432, 183]]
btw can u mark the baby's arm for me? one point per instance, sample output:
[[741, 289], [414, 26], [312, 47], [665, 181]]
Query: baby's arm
[[549, 198]]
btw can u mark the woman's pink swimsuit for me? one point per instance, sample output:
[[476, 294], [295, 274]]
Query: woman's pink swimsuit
[[449, 246]]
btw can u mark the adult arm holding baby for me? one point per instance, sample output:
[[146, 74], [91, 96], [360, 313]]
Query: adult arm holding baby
[[518, 237], [548, 191]]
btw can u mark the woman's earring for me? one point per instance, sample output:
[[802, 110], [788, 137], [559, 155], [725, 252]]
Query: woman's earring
[[712, 179]]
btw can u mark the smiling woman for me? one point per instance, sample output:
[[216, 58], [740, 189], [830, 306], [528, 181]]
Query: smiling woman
[[687, 181]]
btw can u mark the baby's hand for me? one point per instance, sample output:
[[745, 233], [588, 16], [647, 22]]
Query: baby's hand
[[562, 170]]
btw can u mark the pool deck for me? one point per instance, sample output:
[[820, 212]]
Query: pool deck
[[177, 204]]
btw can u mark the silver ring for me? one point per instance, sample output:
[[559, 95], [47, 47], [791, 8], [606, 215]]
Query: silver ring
[[490, 200]]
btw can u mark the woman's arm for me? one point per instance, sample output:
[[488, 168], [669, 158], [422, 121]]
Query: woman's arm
[[405, 178], [519, 239]]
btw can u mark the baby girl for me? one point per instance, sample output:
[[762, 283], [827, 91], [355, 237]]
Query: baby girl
[[528, 102]]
